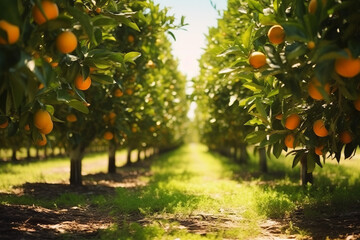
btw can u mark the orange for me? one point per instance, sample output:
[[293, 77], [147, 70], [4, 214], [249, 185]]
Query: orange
[[71, 118], [357, 104], [129, 91], [108, 135], [292, 121], [4, 124], [152, 129], [320, 129], [12, 31], [276, 34], [313, 5], [345, 137], [27, 127], [112, 118], [66, 42], [347, 67], [319, 150], [48, 128], [118, 92], [313, 89], [257, 59], [82, 84], [311, 45], [289, 141], [42, 142], [50, 9], [41, 86], [98, 10], [131, 38], [279, 116], [43, 122]]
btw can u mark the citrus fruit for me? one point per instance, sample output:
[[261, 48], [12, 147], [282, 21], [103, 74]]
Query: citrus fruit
[[313, 5], [319, 150], [43, 122], [292, 121], [289, 141], [320, 129], [4, 124], [108, 135], [345, 137], [130, 38], [12, 31], [82, 84], [276, 34], [311, 45], [347, 66], [118, 92], [50, 9], [27, 127], [279, 116], [357, 104], [257, 59], [129, 91], [71, 118], [41, 142], [48, 128], [66, 42], [313, 89]]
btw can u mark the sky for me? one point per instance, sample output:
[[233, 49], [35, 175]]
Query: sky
[[200, 15]]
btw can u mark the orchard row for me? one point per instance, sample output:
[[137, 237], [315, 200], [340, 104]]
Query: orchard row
[[75, 73], [283, 75]]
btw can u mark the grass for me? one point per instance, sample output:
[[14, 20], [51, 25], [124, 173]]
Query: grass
[[193, 187]]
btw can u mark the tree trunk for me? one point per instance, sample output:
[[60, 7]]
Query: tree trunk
[[112, 158], [28, 154], [139, 155], [13, 157], [76, 156], [305, 176], [37, 153], [262, 160], [45, 152], [244, 156], [128, 157]]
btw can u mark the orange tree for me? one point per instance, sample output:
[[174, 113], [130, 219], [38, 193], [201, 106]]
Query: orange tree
[[305, 93], [219, 91]]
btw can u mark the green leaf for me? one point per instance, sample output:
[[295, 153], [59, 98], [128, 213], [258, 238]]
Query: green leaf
[[85, 22], [255, 5], [294, 31], [277, 149], [246, 36], [299, 155], [103, 79], [260, 108], [311, 162], [50, 109], [101, 20], [131, 57], [76, 104], [229, 51], [255, 137], [253, 87]]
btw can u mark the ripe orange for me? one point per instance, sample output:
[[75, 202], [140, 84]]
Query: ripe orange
[[42, 142], [131, 38], [98, 10], [347, 67], [48, 128], [43, 122], [357, 104], [66, 42], [311, 45], [289, 141], [82, 84], [129, 91], [118, 93], [320, 129], [345, 137], [313, 6], [257, 59], [27, 127], [319, 150], [314, 91], [112, 118], [4, 124], [41, 86], [12, 31], [50, 9], [71, 118], [279, 116], [292, 121], [276, 34], [108, 135]]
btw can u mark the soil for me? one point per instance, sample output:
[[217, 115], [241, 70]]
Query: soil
[[35, 222]]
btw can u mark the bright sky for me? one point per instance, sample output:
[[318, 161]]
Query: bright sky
[[200, 15]]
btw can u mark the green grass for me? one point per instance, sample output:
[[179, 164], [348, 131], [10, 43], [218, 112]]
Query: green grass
[[191, 182]]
